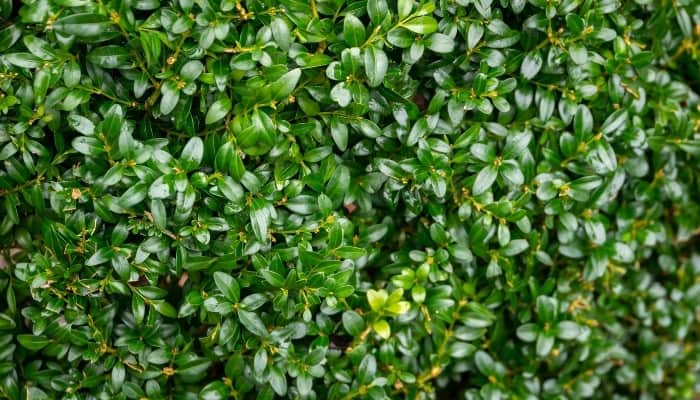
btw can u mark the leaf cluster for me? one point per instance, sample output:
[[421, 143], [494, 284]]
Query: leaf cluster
[[349, 199]]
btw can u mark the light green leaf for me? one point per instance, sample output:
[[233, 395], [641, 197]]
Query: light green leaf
[[382, 328], [377, 299], [87, 26], [405, 7]]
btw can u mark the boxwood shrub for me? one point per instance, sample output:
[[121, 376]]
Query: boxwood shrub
[[341, 199]]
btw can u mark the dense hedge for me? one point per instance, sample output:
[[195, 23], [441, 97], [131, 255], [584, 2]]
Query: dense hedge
[[349, 199]]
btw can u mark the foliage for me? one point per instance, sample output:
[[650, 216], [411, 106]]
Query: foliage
[[333, 199]]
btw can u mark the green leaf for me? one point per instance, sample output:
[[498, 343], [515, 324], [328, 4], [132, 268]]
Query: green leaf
[[39, 47], [281, 33], [377, 10], [164, 308], [353, 322], [515, 247], [159, 213], [461, 350], [547, 308], [350, 252], [303, 205], [169, 97], [614, 122], [367, 128], [546, 106], [9, 35], [404, 7], [568, 330], [33, 342], [418, 131], [218, 110], [485, 179], [367, 369], [400, 37], [440, 43], [252, 322], [6, 322], [527, 332], [191, 70], [339, 132], [259, 218], [423, 25], [376, 65], [230, 189], [111, 56], [601, 157], [113, 122], [228, 286], [642, 59], [341, 94], [118, 375], [194, 369], [8, 151], [260, 361], [159, 189], [151, 44], [353, 30], [575, 23], [71, 74], [583, 121], [101, 256], [578, 53], [81, 124], [24, 60], [304, 384], [474, 35], [216, 390], [544, 345], [134, 195], [284, 86], [484, 362], [86, 26], [278, 380], [511, 172]]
